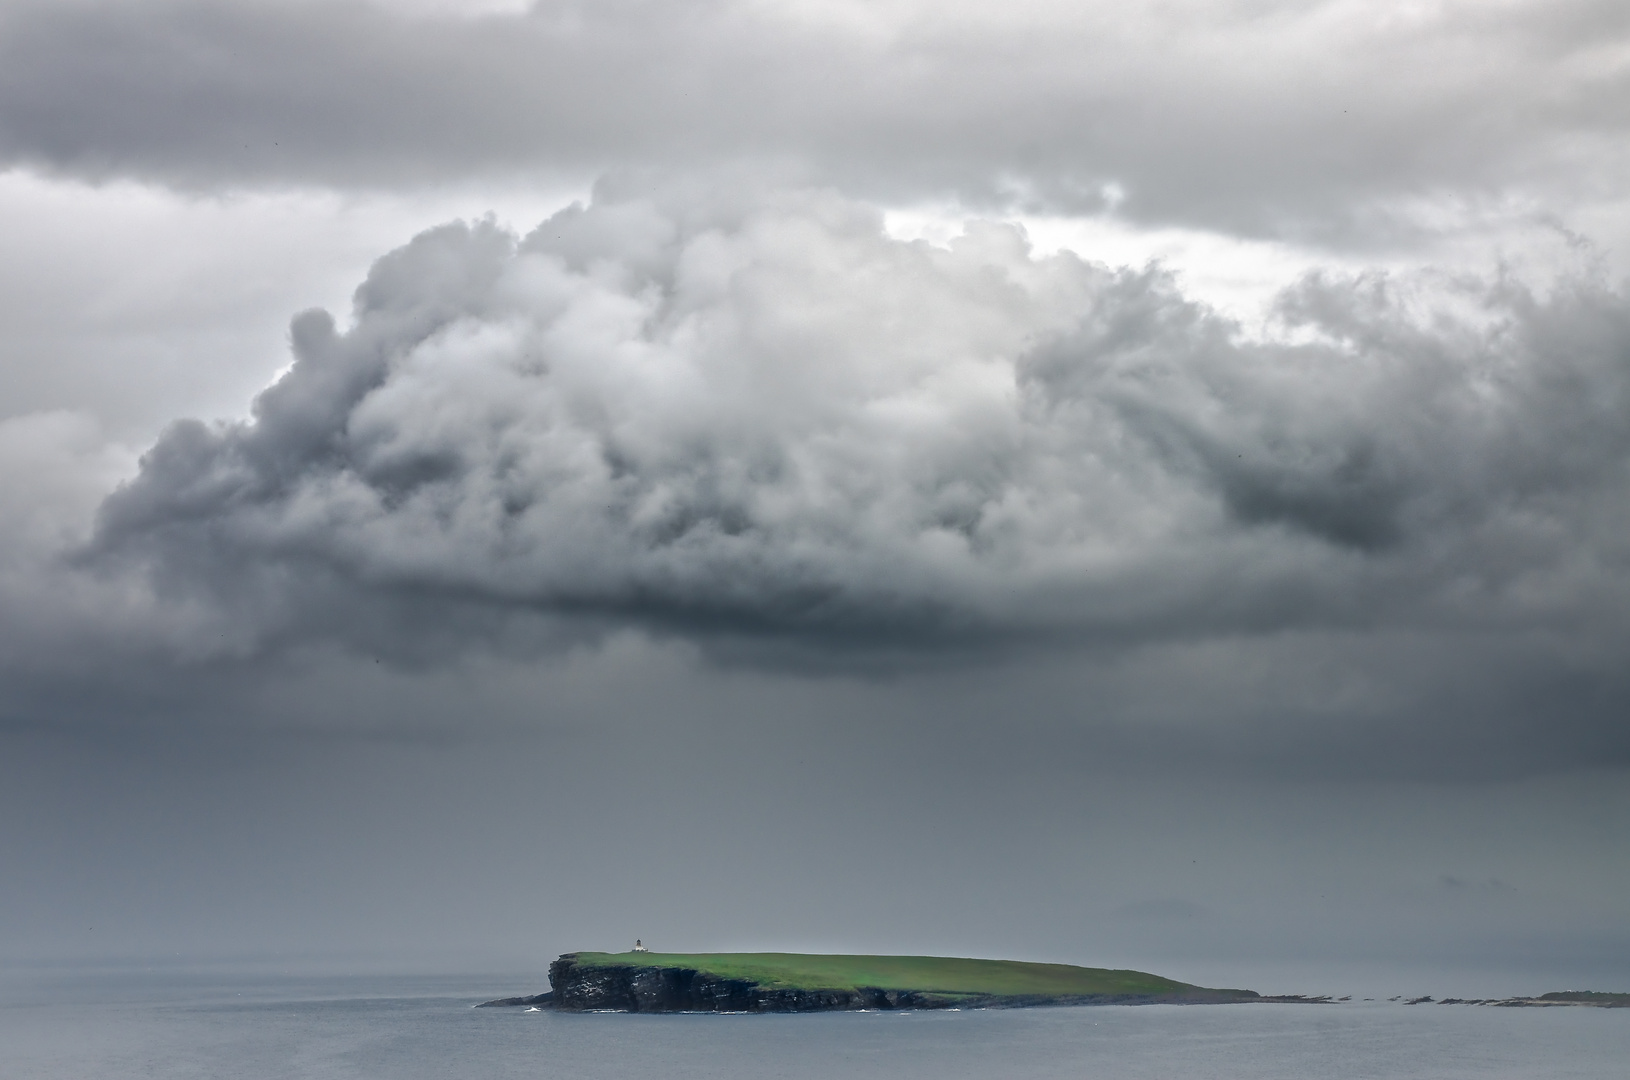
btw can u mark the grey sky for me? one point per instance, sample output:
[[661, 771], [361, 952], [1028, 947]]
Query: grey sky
[[689, 507], [1258, 115]]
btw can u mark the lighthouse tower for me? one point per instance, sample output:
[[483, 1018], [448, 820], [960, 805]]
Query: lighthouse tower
[[639, 946]]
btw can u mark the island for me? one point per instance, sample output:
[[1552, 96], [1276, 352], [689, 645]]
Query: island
[[648, 982], [1588, 998]]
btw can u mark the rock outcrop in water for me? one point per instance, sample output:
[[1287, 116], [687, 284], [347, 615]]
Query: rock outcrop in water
[[543, 1000]]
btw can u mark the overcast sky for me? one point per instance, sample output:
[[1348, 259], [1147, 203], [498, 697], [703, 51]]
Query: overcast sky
[[1142, 484]]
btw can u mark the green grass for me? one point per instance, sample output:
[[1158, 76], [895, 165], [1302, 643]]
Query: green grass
[[932, 974]]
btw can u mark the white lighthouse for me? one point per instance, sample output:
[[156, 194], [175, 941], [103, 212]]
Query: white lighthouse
[[639, 946]]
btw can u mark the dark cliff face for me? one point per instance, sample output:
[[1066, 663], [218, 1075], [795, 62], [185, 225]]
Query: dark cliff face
[[667, 989], [644, 989]]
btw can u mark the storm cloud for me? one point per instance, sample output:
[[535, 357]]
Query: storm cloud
[[756, 424], [765, 414]]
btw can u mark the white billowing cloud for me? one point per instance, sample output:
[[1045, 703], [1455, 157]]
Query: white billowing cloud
[[709, 411], [135, 304]]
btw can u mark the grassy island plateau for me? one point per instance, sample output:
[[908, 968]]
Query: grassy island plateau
[[812, 982]]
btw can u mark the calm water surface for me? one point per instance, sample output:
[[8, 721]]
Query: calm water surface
[[406, 1029]]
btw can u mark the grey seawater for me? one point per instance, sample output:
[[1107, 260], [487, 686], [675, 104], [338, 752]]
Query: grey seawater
[[178, 1028]]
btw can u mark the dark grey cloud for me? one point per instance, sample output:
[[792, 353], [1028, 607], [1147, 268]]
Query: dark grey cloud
[[1317, 118], [771, 414], [1388, 540]]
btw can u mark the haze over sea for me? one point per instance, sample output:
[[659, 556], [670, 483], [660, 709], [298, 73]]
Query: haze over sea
[[249, 1026]]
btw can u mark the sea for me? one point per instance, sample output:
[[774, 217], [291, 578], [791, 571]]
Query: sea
[[134, 1024]]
